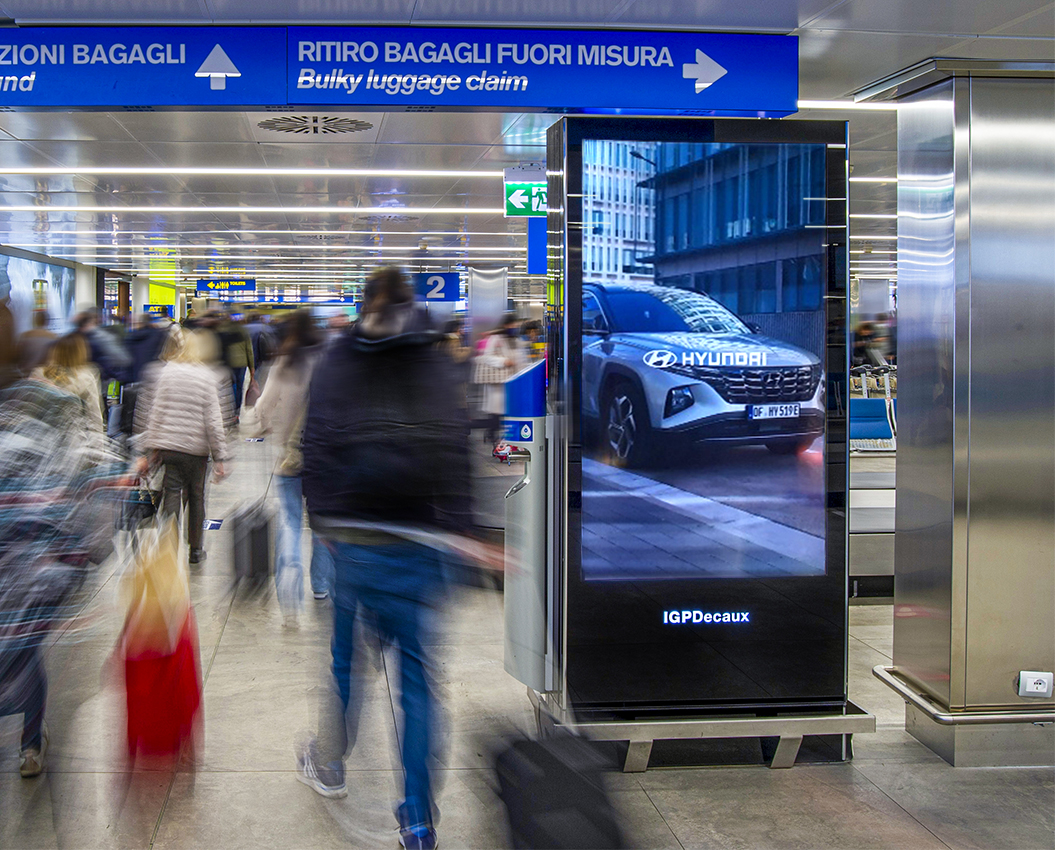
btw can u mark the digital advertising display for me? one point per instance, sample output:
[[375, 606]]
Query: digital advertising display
[[703, 399], [705, 355]]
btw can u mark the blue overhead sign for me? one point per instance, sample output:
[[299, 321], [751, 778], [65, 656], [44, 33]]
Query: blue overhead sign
[[383, 67], [143, 66], [434, 286], [209, 285], [556, 69]]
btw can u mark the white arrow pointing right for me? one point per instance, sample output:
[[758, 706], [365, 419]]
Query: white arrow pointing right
[[705, 71]]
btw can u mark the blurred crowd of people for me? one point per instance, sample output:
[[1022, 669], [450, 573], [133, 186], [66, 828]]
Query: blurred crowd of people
[[370, 426], [875, 341]]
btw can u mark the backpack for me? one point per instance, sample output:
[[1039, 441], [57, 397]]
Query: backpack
[[384, 439]]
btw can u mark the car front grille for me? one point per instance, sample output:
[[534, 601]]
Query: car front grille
[[757, 386]]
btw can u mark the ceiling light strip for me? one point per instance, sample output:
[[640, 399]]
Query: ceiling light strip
[[355, 211], [274, 232], [249, 172], [172, 251], [846, 104]]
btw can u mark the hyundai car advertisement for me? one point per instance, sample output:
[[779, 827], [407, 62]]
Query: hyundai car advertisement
[[703, 375]]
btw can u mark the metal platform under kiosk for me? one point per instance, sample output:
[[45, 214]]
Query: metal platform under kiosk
[[641, 734]]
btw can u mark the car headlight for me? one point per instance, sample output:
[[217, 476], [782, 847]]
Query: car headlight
[[678, 399]]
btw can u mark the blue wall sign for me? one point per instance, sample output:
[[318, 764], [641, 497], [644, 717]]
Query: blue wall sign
[[385, 67], [143, 66], [571, 69], [159, 309], [438, 287], [537, 240], [210, 286]]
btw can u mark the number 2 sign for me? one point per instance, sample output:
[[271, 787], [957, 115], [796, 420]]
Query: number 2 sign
[[438, 287]]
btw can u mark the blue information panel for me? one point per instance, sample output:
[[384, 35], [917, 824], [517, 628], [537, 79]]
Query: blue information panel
[[208, 286], [143, 66], [517, 430], [158, 309], [438, 287], [575, 70]]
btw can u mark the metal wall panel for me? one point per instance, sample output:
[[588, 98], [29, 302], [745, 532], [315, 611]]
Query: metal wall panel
[[1011, 561], [975, 516], [926, 343]]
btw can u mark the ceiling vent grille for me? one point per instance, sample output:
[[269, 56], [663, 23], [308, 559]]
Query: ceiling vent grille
[[314, 125], [138, 108], [420, 109], [388, 217]]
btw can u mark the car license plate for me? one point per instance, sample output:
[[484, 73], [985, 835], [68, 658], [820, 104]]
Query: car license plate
[[772, 411]]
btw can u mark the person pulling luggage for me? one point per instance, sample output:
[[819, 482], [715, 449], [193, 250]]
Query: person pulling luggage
[[386, 476]]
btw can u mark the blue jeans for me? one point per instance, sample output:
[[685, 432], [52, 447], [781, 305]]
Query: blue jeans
[[400, 587], [321, 567], [238, 386], [289, 572], [27, 667]]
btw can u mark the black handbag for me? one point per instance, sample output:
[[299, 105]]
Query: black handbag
[[140, 506]]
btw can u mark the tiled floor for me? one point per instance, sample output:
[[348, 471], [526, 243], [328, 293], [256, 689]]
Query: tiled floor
[[261, 685]]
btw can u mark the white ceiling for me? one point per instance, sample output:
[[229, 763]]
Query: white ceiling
[[843, 46]]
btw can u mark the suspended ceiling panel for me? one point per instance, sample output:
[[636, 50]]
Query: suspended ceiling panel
[[947, 17], [244, 218], [844, 45]]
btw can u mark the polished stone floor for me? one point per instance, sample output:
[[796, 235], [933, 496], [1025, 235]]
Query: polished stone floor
[[261, 685]]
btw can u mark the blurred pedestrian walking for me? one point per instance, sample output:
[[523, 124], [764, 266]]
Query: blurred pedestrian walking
[[67, 367], [238, 355], [53, 526], [501, 357], [184, 428], [281, 410], [386, 476], [33, 345]]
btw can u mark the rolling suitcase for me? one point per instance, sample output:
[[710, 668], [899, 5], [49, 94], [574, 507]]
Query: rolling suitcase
[[554, 794], [251, 547]]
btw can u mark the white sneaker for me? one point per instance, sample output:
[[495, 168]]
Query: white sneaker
[[32, 763], [327, 780]]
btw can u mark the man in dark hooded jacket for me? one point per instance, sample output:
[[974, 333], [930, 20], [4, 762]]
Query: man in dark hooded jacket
[[386, 476]]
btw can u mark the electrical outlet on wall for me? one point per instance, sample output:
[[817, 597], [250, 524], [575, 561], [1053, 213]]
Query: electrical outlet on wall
[[1032, 683]]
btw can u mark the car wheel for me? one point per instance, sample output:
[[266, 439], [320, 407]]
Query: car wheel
[[789, 447], [626, 431]]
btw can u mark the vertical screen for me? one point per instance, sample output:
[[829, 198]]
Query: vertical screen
[[703, 399], [705, 375]]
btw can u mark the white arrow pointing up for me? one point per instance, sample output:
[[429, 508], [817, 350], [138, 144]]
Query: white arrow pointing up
[[705, 71], [218, 67], [518, 199]]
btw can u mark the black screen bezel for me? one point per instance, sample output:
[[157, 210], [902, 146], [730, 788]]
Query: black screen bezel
[[827, 688]]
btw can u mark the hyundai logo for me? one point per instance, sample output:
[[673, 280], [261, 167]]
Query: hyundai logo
[[660, 358], [772, 380]]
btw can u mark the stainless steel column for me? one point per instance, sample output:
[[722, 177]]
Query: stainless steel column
[[975, 517]]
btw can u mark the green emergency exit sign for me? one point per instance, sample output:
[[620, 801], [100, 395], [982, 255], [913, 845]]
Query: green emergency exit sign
[[525, 199]]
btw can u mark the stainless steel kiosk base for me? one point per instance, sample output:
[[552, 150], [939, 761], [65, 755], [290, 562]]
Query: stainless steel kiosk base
[[641, 734], [975, 738]]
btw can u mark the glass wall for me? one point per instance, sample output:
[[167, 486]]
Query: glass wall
[[37, 285]]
